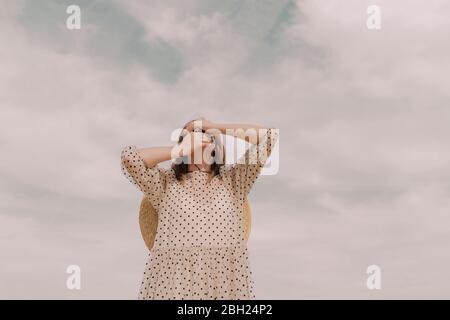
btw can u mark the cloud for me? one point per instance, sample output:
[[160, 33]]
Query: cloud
[[104, 36]]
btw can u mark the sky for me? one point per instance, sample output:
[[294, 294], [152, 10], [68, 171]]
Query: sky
[[363, 116]]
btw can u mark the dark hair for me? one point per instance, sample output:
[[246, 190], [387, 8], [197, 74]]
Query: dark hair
[[218, 153]]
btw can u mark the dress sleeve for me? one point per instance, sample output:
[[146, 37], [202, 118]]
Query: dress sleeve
[[151, 181], [246, 170]]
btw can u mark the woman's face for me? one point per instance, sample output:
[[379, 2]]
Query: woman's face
[[213, 149], [208, 147]]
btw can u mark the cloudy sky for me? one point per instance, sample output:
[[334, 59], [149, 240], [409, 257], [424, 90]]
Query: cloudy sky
[[364, 138]]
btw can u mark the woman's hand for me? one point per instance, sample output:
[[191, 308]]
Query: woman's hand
[[248, 132], [200, 123]]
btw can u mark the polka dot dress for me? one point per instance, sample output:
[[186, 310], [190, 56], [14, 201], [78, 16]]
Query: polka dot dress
[[200, 250]]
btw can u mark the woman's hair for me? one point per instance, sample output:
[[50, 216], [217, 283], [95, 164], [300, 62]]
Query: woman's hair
[[181, 168]]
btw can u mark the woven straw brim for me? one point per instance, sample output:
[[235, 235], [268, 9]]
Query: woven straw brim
[[148, 221]]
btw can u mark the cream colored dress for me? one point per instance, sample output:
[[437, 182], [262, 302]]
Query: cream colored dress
[[200, 250]]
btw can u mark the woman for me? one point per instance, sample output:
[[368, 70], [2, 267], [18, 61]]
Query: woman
[[200, 250]]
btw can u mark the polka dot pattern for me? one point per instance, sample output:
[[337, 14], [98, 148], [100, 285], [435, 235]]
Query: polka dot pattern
[[200, 250]]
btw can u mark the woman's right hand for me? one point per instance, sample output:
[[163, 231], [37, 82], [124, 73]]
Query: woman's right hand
[[201, 122], [193, 142]]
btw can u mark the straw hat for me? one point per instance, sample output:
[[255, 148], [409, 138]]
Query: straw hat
[[148, 221]]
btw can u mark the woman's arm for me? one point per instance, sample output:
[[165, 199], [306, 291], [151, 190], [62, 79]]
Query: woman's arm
[[245, 171], [248, 132], [154, 155]]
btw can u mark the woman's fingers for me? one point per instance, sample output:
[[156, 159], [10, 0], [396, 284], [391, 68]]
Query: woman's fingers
[[190, 126], [197, 123]]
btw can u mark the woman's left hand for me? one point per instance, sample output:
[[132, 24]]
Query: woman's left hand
[[200, 122]]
